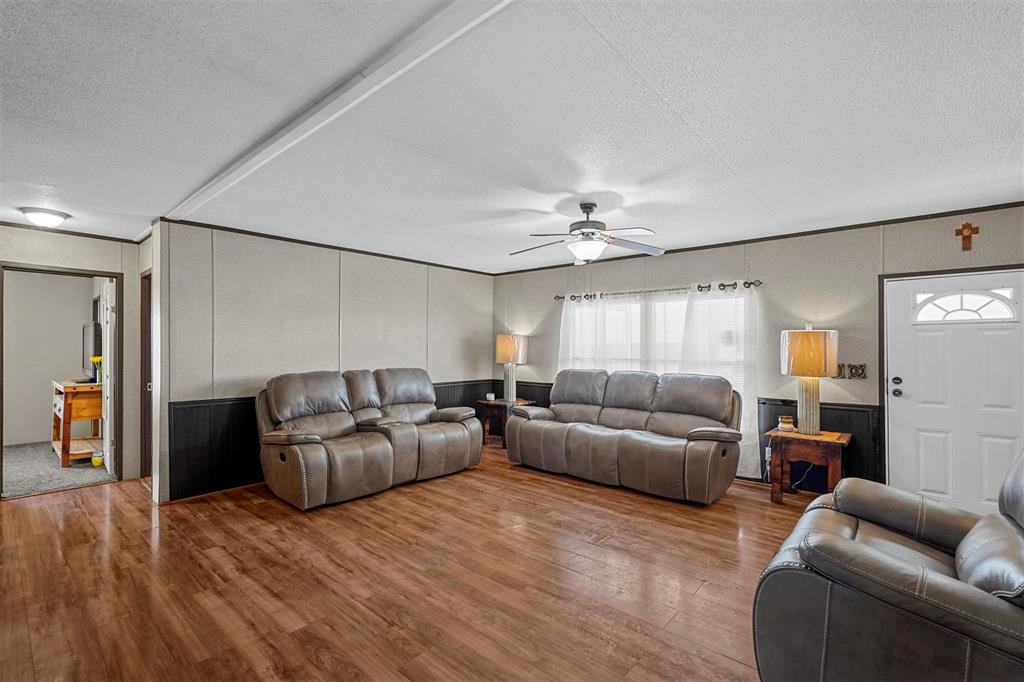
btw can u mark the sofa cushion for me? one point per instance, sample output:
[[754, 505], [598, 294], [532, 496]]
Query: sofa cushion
[[326, 425], [653, 464], [678, 425], [404, 385], [1011, 495], [444, 449], [582, 386], [991, 558], [414, 413], [630, 390], [591, 452], [623, 418], [358, 465], [568, 413], [363, 398], [290, 396], [696, 394], [541, 444]]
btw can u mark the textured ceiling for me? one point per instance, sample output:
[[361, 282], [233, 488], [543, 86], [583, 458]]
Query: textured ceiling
[[707, 122]]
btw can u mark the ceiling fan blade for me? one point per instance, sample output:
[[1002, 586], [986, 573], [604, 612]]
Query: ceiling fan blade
[[630, 231], [637, 246], [549, 234], [536, 247]]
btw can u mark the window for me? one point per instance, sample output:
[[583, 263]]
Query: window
[[966, 306]]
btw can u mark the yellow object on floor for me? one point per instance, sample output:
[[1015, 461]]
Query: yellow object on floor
[[97, 460]]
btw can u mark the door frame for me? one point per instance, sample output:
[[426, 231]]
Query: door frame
[[118, 277], [883, 380]]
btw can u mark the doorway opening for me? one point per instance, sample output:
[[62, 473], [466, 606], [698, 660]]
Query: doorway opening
[[60, 362], [952, 388]]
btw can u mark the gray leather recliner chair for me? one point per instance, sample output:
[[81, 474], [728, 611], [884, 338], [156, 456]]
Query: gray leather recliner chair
[[329, 437], [673, 435], [880, 584]]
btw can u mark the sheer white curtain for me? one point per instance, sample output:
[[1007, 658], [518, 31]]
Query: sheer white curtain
[[692, 331]]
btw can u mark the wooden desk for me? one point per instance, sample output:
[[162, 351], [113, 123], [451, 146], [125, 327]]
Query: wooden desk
[[486, 410], [825, 449], [72, 402]]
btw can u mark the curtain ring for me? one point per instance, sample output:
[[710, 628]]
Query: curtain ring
[[755, 283], [706, 287], [722, 286]]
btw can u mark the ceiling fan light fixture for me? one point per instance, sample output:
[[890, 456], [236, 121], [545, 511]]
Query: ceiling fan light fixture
[[587, 248], [44, 217]]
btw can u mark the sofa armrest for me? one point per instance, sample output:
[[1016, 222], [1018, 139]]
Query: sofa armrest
[[908, 586], [914, 515], [536, 413], [719, 433], [376, 423], [289, 438], [453, 414]]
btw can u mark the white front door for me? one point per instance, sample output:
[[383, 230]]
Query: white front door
[[954, 379]]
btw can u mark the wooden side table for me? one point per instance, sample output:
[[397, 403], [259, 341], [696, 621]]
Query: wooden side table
[[74, 401], [824, 449], [486, 410]]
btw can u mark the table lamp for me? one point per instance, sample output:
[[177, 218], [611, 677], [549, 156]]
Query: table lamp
[[809, 354], [510, 350]]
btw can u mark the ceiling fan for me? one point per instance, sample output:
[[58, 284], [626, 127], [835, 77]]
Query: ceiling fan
[[588, 238]]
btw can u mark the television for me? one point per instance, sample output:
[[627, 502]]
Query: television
[[92, 345]]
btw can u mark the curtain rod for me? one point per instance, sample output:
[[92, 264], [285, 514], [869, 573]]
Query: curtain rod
[[703, 288]]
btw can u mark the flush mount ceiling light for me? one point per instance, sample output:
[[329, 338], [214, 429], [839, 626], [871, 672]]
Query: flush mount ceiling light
[[588, 238], [44, 217]]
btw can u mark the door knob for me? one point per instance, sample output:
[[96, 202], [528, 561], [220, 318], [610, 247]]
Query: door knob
[[897, 392], [897, 380]]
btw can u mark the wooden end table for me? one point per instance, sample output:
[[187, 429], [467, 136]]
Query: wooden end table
[[824, 449], [486, 410], [74, 401]]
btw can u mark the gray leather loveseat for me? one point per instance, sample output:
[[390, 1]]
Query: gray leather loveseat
[[674, 435], [331, 436], [880, 584]]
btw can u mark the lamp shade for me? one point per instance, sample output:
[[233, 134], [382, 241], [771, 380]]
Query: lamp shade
[[810, 352], [510, 348]]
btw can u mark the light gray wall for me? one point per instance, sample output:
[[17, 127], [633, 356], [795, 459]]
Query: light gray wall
[[43, 318], [829, 279], [50, 249], [242, 308]]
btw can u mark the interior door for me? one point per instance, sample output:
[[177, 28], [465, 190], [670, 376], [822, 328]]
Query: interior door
[[108, 319], [954, 381], [145, 356]]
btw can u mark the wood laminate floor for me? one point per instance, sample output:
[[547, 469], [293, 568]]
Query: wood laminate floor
[[499, 572]]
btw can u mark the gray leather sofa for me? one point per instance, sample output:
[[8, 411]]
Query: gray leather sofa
[[879, 584], [329, 436], [673, 435]]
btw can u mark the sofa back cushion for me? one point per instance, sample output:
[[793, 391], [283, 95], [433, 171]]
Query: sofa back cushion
[[991, 558], [1011, 495], [406, 393], [683, 402], [577, 395], [310, 402], [627, 400], [363, 397]]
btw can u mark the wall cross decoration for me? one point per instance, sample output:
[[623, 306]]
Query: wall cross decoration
[[965, 232]]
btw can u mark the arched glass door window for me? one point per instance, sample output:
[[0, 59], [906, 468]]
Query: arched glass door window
[[965, 306]]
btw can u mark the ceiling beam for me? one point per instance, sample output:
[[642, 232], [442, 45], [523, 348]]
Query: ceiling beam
[[439, 31]]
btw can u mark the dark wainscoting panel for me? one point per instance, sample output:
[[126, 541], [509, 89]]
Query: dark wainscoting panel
[[463, 393], [536, 391], [213, 445], [863, 457]]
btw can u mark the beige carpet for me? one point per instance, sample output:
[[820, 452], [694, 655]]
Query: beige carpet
[[34, 468]]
